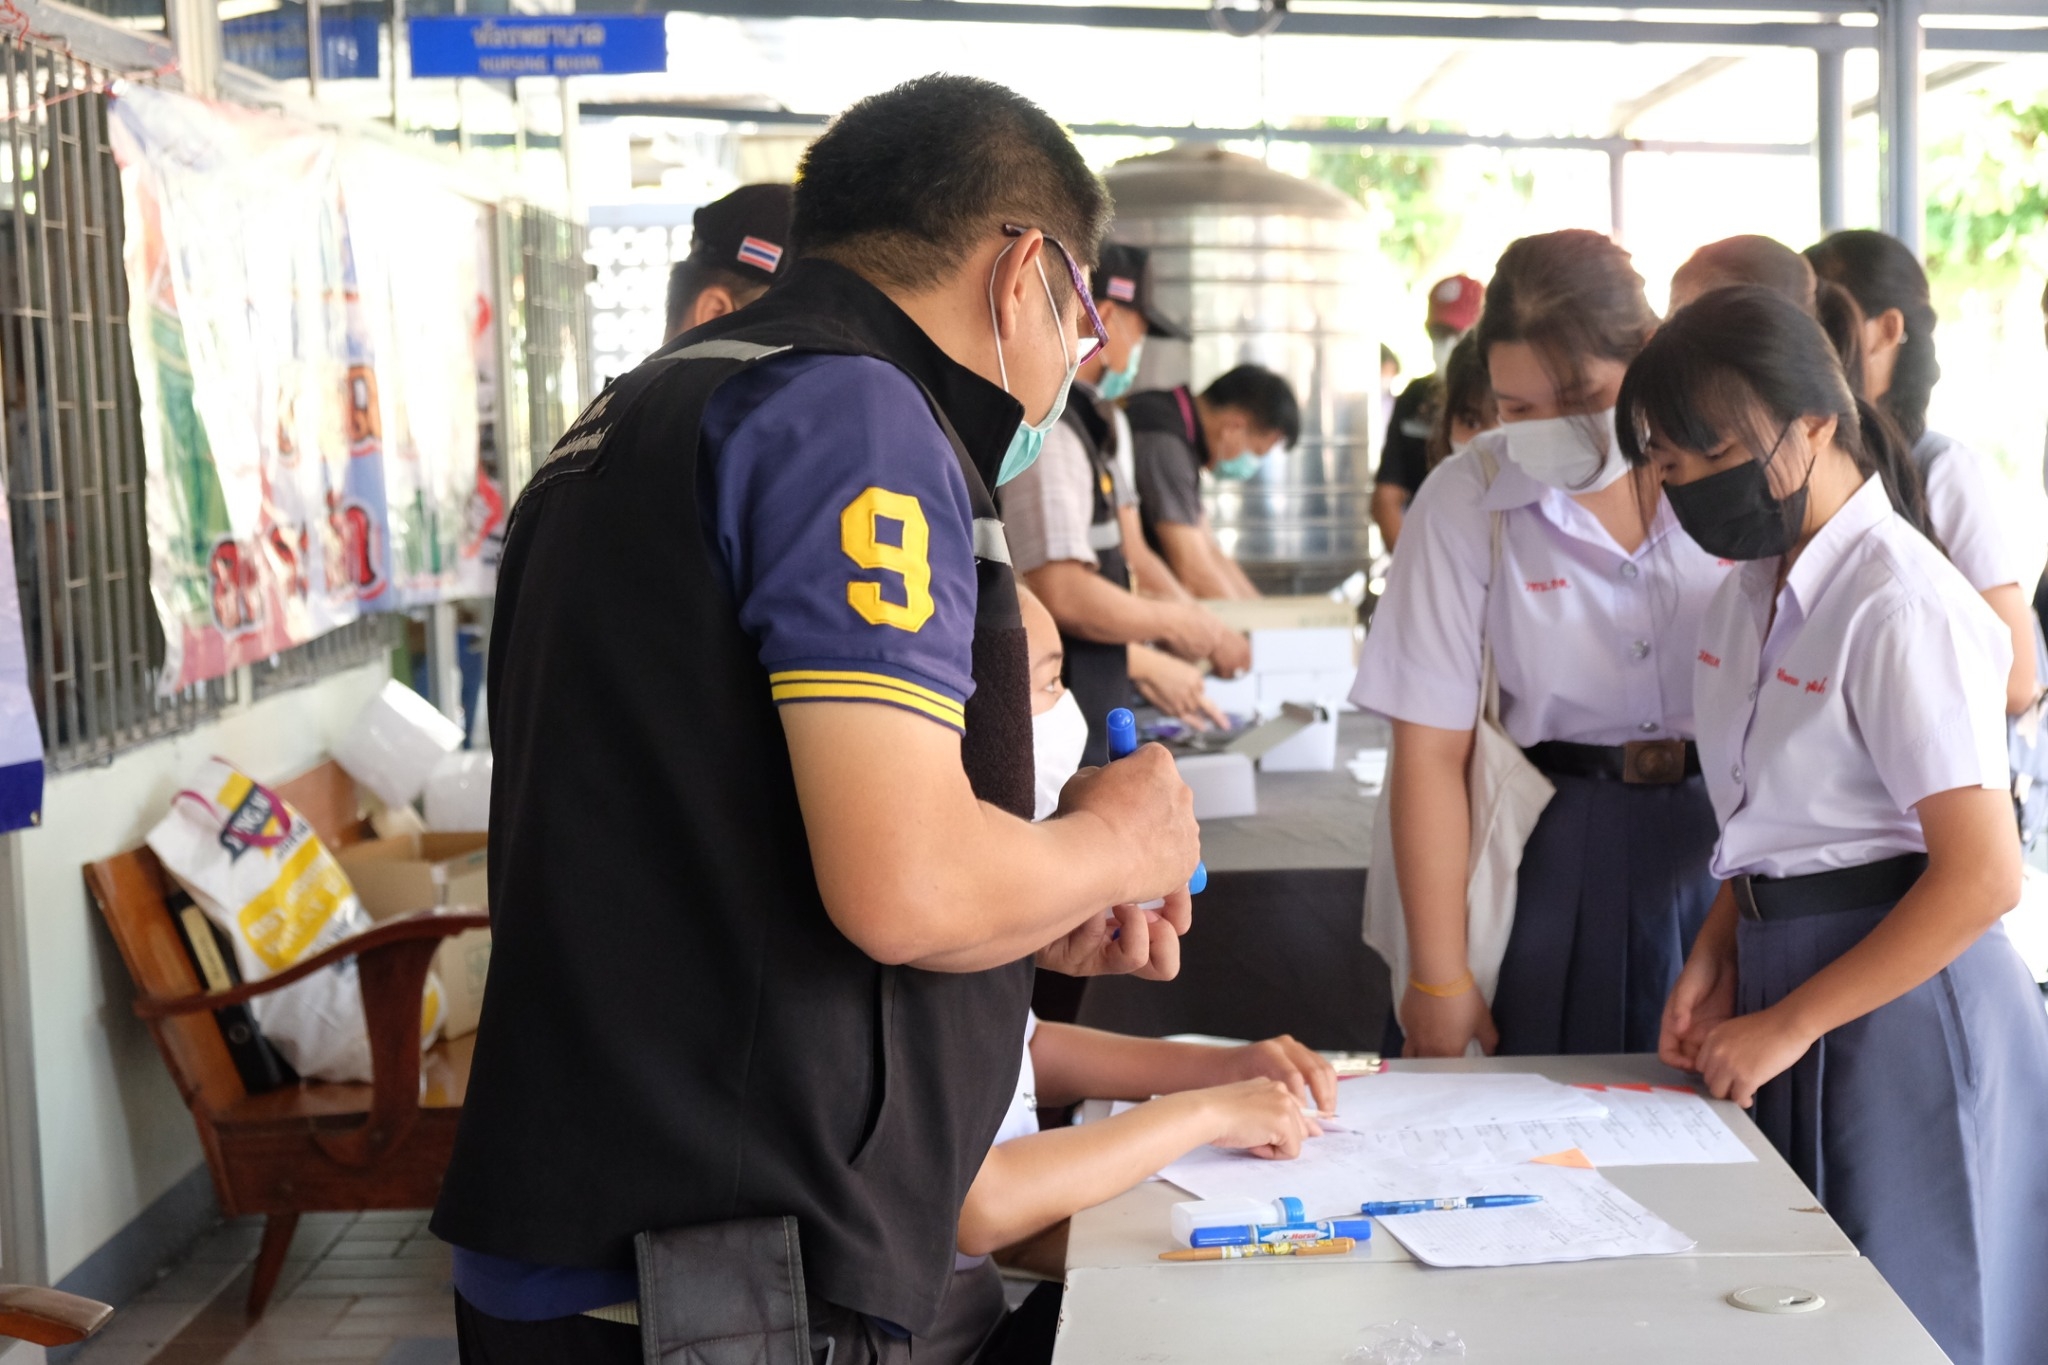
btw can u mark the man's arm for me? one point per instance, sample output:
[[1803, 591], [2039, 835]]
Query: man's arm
[[913, 869], [1233, 571], [1153, 578], [1090, 606], [1389, 506], [1195, 559]]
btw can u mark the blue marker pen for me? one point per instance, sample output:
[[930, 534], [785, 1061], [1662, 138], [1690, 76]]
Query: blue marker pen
[[1123, 742], [1359, 1229], [1389, 1208]]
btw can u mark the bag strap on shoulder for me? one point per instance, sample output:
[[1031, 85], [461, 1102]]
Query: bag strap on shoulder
[[1489, 677]]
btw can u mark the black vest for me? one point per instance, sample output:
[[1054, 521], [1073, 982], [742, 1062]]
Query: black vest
[[1167, 412], [1098, 674], [674, 1032]]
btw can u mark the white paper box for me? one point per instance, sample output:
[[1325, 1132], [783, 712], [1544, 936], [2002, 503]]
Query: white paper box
[[394, 744], [1301, 651], [1237, 696], [1275, 688], [1222, 784], [459, 794], [1314, 750]]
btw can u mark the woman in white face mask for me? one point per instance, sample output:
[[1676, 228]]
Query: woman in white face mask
[[1590, 605]]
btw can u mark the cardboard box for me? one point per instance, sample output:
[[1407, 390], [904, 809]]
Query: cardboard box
[[417, 872], [1283, 613], [1222, 784]]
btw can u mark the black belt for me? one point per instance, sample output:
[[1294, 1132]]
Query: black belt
[[1827, 893], [1653, 762]]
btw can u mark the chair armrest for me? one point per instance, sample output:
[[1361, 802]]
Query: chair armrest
[[420, 924], [49, 1317]]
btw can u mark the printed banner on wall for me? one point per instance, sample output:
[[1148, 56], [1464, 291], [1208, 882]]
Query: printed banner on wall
[[298, 310]]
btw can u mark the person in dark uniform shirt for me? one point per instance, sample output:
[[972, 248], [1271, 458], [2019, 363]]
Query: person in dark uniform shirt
[[1454, 305], [739, 245], [1228, 429], [765, 889], [1066, 537]]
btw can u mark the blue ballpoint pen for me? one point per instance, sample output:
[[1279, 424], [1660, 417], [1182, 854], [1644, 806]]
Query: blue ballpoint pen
[[1389, 1207], [1123, 742]]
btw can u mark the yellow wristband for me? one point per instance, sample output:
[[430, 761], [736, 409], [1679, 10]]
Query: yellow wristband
[[1456, 988]]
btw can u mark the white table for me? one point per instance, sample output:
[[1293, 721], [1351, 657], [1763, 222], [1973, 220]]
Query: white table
[[1755, 1223]]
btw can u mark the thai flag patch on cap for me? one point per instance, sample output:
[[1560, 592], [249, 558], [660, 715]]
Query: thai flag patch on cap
[[759, 254], [1121, 289]]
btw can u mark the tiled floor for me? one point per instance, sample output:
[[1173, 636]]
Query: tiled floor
[[369, 1287]]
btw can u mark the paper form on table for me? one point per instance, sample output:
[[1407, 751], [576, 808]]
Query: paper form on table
[[1583, 1217], [1418, 1100]]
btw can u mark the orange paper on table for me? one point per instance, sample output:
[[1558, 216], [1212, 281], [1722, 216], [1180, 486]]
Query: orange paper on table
[[1570, 1156]]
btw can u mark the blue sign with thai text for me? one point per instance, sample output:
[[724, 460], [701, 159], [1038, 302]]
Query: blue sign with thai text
[[502, 46]]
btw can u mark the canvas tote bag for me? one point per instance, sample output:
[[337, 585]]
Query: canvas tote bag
[[1508, 795]]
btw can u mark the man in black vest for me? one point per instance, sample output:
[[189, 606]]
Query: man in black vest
[[1066, 535], [763, 882], [739, 245]]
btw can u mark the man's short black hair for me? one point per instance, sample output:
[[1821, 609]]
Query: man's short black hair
[[904, 184], [690, 277], [1259, 394]]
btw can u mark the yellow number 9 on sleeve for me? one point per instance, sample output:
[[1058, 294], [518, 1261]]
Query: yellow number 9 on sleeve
[[910, 559]]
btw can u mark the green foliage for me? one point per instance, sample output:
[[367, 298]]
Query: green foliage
[[1403, 192], [1987, 200]]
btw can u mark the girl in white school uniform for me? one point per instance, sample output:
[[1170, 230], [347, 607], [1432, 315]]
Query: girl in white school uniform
[[1968, 508], [1853, 982], [1592, 618]]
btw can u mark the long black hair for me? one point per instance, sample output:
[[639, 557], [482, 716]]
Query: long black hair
[[1465, 394], [1744, 364], [1882, 273]]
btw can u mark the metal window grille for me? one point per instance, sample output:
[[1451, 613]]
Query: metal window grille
[[555, 306], [360, 642], [73, 441]]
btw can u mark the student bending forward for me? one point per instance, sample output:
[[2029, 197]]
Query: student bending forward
[[1853, 981]]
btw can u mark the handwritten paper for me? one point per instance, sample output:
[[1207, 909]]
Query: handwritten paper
[[1583, 1217], [1648, 1125], [1418, 1100]]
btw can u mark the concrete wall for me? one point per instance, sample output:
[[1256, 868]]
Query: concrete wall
[[114, 1135]]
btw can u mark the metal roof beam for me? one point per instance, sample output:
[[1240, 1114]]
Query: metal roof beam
[[1520, 28], [1334, 137]]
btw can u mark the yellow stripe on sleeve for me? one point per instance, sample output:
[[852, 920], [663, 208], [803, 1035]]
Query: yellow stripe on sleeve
[[826, 675], [846, 691]]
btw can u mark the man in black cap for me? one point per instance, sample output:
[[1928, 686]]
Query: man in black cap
[[739, 245], [765, 890], [1063, 516]]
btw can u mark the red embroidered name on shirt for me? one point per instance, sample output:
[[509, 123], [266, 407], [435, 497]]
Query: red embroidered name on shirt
[[1788, 679], [1552, 586], [1817, 685], [1709, 660]]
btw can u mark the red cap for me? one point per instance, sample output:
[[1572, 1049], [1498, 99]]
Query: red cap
[[1454, 303]]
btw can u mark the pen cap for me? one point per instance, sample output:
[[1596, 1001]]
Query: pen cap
[[1122, 728], [1209, 1213], [1357, 1229]]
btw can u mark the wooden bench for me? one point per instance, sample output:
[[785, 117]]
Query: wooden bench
[[316, 1146], [48, 1317]]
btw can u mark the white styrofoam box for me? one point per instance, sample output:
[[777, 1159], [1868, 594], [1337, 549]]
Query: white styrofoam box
[[1275, 688], [1222, 784], [459, 793], [1314, 750], [1301, 651], [395, 742], [1333, 688], [1237, 696]]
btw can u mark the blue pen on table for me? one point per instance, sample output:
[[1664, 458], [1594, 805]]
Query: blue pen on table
[[1123, 742], [1388, 1208], [1241, 1234]]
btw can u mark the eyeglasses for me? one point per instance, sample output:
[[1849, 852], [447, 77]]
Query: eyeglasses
[[1088, 347]]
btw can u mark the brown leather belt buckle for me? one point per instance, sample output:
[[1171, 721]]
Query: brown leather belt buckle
[[1745, 897], [1653, 762]]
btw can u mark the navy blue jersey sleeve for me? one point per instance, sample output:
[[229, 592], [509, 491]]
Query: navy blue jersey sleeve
[[847, 537]]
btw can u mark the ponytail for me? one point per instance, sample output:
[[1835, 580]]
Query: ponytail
[[1883, 274], [1878, 447]]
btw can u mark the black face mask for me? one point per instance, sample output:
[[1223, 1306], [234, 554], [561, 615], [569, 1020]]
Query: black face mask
[[1734, 515]]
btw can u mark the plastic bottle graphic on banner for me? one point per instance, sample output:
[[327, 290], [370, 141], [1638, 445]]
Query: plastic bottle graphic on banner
[[305, 412]]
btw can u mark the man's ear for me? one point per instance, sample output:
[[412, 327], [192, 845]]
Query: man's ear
[[1014, 279], [715, 302]]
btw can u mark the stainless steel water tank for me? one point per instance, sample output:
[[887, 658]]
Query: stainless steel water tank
[[1271, 269]]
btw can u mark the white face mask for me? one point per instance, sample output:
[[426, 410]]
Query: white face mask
[[1058, 738], [1556, 451], [1440, 349]]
